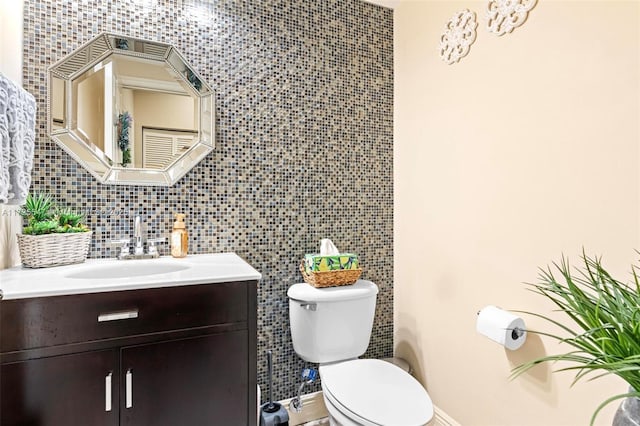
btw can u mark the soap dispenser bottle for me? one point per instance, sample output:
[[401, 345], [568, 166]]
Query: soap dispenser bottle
[[179, 237]]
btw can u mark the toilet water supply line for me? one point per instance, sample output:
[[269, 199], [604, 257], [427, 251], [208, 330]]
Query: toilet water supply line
[[309, 375]]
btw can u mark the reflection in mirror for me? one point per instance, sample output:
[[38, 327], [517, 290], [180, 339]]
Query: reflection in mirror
[[57, 107], [89, 98], [135, 113]]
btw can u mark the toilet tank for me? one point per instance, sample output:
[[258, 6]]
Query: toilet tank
[[331, 324]]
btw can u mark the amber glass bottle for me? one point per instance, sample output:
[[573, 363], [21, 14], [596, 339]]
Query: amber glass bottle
[[179, 237]]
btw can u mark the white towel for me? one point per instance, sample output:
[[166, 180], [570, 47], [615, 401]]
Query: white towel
[[17, 139]]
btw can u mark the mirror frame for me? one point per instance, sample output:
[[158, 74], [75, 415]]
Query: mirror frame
[[82, 59]]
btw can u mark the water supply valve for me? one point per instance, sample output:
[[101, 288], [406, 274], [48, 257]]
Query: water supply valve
[[309, 375]]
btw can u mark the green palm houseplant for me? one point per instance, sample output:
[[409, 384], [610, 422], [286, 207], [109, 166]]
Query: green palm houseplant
[[606, 337], [53, 235]]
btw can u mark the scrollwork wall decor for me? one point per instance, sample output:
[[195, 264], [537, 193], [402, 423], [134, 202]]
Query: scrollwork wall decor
[[458, 36], [505, 15]]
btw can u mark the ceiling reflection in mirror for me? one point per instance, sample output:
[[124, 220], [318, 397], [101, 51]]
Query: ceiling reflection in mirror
[[130, 111]]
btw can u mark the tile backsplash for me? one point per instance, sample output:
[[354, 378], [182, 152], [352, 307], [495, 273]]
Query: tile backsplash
[[304, 144]]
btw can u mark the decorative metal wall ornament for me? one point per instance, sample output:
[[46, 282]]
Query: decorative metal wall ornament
[[458, 36], [505, 15]]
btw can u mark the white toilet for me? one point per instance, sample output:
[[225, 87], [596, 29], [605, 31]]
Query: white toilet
[[332, 326]]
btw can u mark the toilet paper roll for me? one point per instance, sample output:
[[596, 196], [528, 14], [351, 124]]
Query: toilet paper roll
[[502, 327]]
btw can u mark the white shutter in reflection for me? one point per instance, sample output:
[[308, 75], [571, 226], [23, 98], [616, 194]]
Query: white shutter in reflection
[[163, 147], [183, 144]]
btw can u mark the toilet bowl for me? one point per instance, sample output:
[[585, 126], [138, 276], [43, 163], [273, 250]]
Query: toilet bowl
[[332, 326], [372, 392]]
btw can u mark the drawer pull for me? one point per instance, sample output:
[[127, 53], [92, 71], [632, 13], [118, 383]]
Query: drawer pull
[[120, 315], [107, 392], [129, 389]]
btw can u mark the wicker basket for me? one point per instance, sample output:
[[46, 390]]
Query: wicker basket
[[330, 278], [43, 251]]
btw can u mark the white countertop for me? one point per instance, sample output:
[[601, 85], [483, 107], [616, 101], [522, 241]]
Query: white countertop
[[20, 283]]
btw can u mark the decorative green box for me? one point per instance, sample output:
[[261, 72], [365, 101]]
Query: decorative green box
[[319, 263]]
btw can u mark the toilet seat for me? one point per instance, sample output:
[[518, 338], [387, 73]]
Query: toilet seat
[[374, 392], [343, 416]]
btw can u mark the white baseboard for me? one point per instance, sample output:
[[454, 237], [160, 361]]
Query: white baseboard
[[440, 418], [313, 408]]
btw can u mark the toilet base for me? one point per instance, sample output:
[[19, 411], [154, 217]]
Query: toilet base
[[336, 418], [332, 421]]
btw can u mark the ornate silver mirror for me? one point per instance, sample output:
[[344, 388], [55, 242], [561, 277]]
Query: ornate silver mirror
[[130, 111]]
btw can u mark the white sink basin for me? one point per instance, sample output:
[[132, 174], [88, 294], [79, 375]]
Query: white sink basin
[[128, 268]]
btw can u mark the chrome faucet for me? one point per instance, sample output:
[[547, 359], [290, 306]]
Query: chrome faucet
[[138, 248]]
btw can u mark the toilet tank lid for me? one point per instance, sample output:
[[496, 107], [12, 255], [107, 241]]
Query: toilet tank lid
[[308, 293]]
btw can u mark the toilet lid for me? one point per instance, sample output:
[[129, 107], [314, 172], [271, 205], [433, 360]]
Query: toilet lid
[[378, 391]]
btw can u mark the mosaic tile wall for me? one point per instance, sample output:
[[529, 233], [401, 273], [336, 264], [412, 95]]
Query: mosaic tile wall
[[304, 149]]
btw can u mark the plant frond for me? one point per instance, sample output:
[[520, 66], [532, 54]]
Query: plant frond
[[610, 400], [607, 315]]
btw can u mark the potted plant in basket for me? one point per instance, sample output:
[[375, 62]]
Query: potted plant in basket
[[607, 338], [53, 235]]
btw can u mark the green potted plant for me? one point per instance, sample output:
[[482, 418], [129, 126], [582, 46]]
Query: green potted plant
[[53, 235], [124, 122], [606, 341]]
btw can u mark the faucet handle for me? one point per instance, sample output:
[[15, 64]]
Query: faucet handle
[[137, 227], [121, 242], [124, 246], [153, 250]]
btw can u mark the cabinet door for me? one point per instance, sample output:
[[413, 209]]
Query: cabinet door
[[79, 389], [198, 381]]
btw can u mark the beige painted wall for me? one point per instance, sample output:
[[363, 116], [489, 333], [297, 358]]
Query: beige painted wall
[[161, 110], [10, 66], [526, 149], [90, 109]]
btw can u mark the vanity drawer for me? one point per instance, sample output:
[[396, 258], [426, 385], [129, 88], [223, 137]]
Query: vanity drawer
[[58, 320]]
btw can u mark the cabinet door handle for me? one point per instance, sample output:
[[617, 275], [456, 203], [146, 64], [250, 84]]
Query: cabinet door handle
[[120, 315], [107, 392], [129, 389]]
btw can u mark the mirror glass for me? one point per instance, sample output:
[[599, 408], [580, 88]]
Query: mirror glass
[[130, 111]]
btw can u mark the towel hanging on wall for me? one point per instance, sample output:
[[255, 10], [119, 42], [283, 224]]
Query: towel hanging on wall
[[17, 138]]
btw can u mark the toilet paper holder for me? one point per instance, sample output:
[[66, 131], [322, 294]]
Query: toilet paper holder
[[502, 327], [516, 333]]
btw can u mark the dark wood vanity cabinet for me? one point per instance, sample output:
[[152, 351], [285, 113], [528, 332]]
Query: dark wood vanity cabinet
[[164, 357], [199, 394], [65, 389]]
